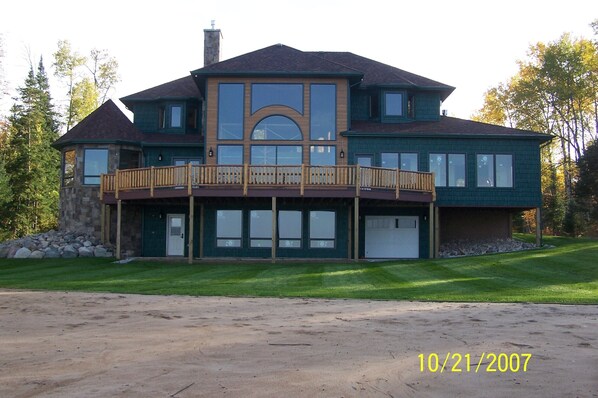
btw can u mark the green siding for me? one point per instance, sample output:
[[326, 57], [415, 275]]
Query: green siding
[[525, 193], [154, 229], [427, 106], [146, 116]]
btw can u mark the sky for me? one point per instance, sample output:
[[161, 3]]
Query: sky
[[471, 45]]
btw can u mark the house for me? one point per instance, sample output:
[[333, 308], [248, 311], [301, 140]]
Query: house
[[286, 153]]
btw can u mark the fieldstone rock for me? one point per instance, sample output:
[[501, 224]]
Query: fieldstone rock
[[4, 250], [37, 254], [52, 252], [101, 252], [23, 252], [85, 252], [87, 243], [69, 252], [12, 251]]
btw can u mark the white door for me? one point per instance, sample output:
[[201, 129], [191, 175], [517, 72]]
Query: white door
[[392, 237], [175, 235]]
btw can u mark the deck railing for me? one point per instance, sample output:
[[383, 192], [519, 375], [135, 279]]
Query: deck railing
[[246, 176]]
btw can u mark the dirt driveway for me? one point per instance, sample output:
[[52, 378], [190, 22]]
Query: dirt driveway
[[107, 345]]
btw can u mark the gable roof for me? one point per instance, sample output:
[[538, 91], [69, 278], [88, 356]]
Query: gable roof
[[183, 88], [277, 59], [445, 126], [105, 123], [378, 74]]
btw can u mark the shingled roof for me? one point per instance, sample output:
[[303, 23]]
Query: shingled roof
[[278, 59], [378, 74], [445, 126], [183, 88], [107, 123]]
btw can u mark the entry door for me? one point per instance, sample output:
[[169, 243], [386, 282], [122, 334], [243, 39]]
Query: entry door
[[392, 237], [175, 235]]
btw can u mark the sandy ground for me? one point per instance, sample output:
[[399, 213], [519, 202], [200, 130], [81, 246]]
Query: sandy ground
[[106, 345]]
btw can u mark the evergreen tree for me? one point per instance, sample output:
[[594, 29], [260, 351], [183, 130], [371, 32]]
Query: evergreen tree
[[31, 164]]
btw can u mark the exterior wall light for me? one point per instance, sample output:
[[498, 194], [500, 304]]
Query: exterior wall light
[[342, 154], [211, 152], [160, 157]]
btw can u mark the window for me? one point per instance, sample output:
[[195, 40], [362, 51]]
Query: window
[[128, 159], [276, 154], [393, 104], [374, 102], [260, 228], [176, 113], [323, 112], [264, 95], [322, 155], [504, 171], [230, 111], [229, 226], [192, 118], [408, 161], [438, 167], [230, 154], [161, 117], [451, 173], [322, 227], [184, 161], [364, 160], [276, 128], [495, 170], [68, 168], [456, 170], [95, 162], [289, 229]]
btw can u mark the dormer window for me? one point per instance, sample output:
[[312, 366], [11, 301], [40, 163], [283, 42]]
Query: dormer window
[[393, 104], [176, 113]]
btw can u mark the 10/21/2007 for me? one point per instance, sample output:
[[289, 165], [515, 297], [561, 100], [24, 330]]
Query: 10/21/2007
[[456, 362]]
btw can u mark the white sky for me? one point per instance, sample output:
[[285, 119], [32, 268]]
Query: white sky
[[472, 45]]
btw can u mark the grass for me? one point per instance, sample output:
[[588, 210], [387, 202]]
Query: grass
[[566, 273]]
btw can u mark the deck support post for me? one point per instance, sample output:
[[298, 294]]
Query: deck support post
[[274, 228], [431, 233], [118, 227], [191, 217], [538, 227], [349, 233], [108, 223], [356, 229], [436, 231], [103, 223], [201, 228]]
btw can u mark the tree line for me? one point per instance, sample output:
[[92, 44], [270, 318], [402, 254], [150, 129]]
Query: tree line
[[29, 166], [555, 91]]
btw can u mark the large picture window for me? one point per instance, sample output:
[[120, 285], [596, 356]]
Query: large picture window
[[323, 112], [495, 170], [289, 155], [68, 168], [438, 167], [276, 128], [322, 227], [95, 163], [230, 154], [229, 227], [260, 228], [230, 111], [289, 229], [322, 155], [264, 95]]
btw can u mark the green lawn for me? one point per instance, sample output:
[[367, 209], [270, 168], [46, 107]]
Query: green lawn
[[567, 273]]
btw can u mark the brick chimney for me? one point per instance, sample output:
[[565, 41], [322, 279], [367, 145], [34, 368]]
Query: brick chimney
[[211, 45]]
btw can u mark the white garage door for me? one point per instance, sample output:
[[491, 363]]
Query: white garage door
[[392, 237]]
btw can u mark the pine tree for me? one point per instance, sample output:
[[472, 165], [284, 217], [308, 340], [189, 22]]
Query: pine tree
[[31, 164]]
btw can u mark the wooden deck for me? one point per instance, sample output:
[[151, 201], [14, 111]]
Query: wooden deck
[[252, 180]]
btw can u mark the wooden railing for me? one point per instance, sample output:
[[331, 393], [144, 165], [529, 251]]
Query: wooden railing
[[302, 176]]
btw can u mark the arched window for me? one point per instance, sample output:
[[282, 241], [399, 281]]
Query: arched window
[[276, 128]]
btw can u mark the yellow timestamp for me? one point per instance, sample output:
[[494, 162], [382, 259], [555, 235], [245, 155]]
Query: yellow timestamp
[[455, 362]]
